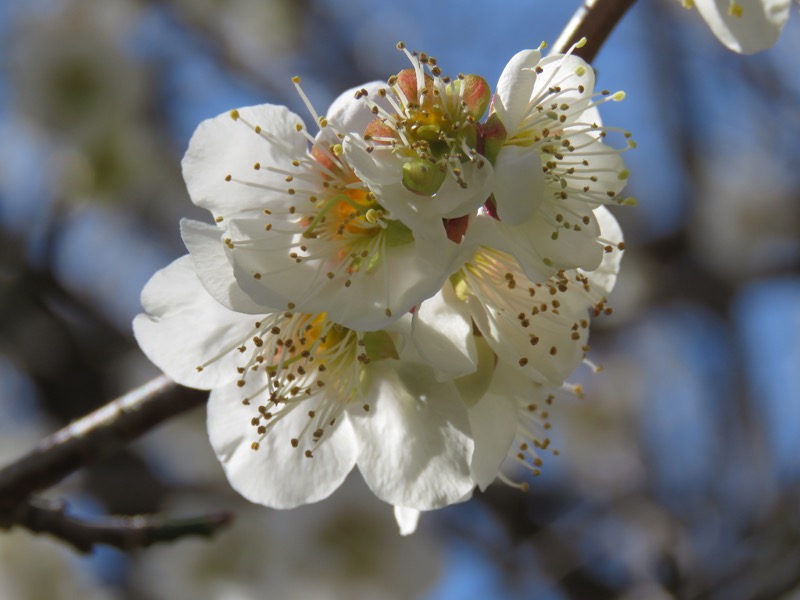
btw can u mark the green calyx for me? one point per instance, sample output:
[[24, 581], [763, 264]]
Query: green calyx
[[379, 345]]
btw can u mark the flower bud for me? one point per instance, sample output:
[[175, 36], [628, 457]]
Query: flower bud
[[476, 95], [422, 177], [494, 134]]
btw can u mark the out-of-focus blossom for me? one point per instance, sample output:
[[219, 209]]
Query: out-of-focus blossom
[[744, 26], [35, 567], [748, 222], [75, 84], [70, 73], [347, 548]]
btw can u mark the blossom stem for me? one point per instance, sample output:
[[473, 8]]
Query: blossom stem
[[98, 434], [595, 21]]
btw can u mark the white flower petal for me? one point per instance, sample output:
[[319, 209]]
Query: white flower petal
[[486, 231], [277, 474], [513, 344], [603, 279], [213, 268], [442, 333], [407, 519], [415, 444], [519, 184], [351, 114], [452, 200], [494, 424], [401, 276], [593, 172], [514, 88], [564, 248], [473, 386], [222, 147], [376, 167], [185, 327], [756, 29], [575, 79]]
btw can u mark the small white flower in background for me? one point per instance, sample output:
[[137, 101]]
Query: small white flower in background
[[378, 295], [744, 26], [344, 548]]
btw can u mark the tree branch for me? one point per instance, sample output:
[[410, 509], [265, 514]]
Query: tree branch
[[124, 533], [94, 436], [595, 21]]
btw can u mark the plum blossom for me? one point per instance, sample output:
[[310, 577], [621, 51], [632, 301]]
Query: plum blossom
[[421, 147], [298, 226], [297, 400], [539, 328], [510, 343], [744, 26], [552, 167]]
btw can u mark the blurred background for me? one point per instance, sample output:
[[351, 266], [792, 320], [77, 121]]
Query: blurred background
[[679, 472]]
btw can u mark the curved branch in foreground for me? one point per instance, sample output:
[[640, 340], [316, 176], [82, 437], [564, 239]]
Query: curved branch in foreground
[[98, 434], [124, 533], [595, 21]]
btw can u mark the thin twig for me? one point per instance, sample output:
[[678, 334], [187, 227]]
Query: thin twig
[[96, 435], [125, 533], [595, 21]]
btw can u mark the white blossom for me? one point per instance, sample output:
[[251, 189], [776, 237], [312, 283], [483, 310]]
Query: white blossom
[[744, 26], [552, 167], [297, 226], [531, 337], [421, 148], [297, 400]]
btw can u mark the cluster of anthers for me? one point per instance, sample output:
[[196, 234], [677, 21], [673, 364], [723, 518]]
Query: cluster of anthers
[[431, 122]]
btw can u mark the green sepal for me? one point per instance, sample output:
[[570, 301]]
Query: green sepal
[[397, 234], [473, 387], [379, 345]]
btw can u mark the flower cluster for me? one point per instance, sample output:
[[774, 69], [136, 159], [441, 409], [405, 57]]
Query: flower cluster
[[404, 290]]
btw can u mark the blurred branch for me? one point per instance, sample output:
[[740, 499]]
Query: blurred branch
[[94, 436], [595, 21], [125, 533]]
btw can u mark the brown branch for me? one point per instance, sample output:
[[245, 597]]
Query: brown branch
[[595, 21], [94, 436], [125, 533]]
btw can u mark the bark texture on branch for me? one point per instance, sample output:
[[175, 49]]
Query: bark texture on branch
[[92, 437], [595, 21]]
